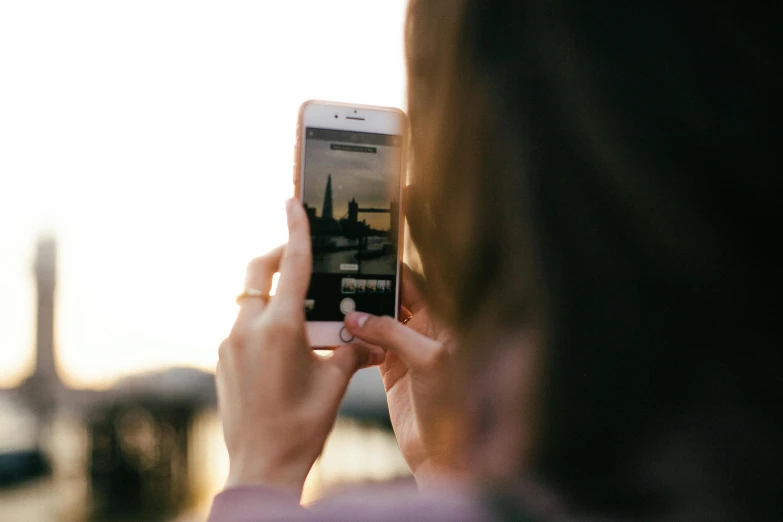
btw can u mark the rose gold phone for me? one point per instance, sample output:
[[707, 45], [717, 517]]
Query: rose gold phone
[[349, 173]]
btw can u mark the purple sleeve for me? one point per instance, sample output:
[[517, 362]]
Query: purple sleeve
[[381, 504], [255, 503]]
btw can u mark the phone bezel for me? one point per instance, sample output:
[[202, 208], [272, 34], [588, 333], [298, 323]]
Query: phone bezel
[[379, 120]]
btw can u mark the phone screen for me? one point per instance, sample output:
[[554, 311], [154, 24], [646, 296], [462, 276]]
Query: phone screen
[[351, 189]]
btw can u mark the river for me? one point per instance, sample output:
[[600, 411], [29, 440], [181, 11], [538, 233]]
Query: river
[[354, 452]]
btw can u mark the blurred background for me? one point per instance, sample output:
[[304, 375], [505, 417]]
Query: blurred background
[[145, 154]]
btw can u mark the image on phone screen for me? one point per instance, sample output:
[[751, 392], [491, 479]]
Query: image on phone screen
[[351, 188]]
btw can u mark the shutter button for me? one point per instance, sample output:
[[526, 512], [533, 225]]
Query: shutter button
[[347, 305]]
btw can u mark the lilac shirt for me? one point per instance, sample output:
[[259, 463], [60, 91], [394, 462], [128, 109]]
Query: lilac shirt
[[390, 503]]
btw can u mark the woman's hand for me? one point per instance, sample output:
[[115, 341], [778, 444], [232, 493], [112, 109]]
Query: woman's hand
[[278, 400], [419, 377]]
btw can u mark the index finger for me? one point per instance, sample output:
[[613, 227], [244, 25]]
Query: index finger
[[259, 277], [296, 264]]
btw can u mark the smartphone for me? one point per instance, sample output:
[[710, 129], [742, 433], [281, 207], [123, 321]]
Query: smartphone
[[349, 172]]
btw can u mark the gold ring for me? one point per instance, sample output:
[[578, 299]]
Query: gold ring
[[252, 292], [405, 321]]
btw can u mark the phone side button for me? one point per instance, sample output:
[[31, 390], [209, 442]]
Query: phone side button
[[345, 335]]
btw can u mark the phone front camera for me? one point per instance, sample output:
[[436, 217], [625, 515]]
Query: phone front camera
[[335, 116]]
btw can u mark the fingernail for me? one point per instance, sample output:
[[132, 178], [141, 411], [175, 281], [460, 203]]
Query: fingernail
[[357, 318], [377, 356]]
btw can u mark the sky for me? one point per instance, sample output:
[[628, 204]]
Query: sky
[[372, 179], [154, 140]]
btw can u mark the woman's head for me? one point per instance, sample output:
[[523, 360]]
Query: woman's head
[[604, 175]]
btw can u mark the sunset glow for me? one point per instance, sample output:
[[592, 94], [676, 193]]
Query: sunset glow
[[154, 141]]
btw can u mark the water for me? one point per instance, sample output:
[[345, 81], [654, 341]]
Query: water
[[329, 262], [354, 452]]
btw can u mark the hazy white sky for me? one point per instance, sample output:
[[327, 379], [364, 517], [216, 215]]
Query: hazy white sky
[[154, 139]]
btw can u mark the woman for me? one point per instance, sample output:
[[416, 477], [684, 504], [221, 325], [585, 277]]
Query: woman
[[594, 206]]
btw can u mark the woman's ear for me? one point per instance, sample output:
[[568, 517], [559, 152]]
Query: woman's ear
[[502, 411]]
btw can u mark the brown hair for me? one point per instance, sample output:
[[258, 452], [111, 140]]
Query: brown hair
[[607, 174]]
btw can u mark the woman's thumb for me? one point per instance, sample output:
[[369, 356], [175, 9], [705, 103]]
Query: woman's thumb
[[350, 358], [413, 348]]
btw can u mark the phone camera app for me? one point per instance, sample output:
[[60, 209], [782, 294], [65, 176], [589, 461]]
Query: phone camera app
[[349, 285], [350, 192]]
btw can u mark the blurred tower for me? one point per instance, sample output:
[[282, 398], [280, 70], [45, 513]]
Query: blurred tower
[[46, 278], [43, 388], [327, 210]]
